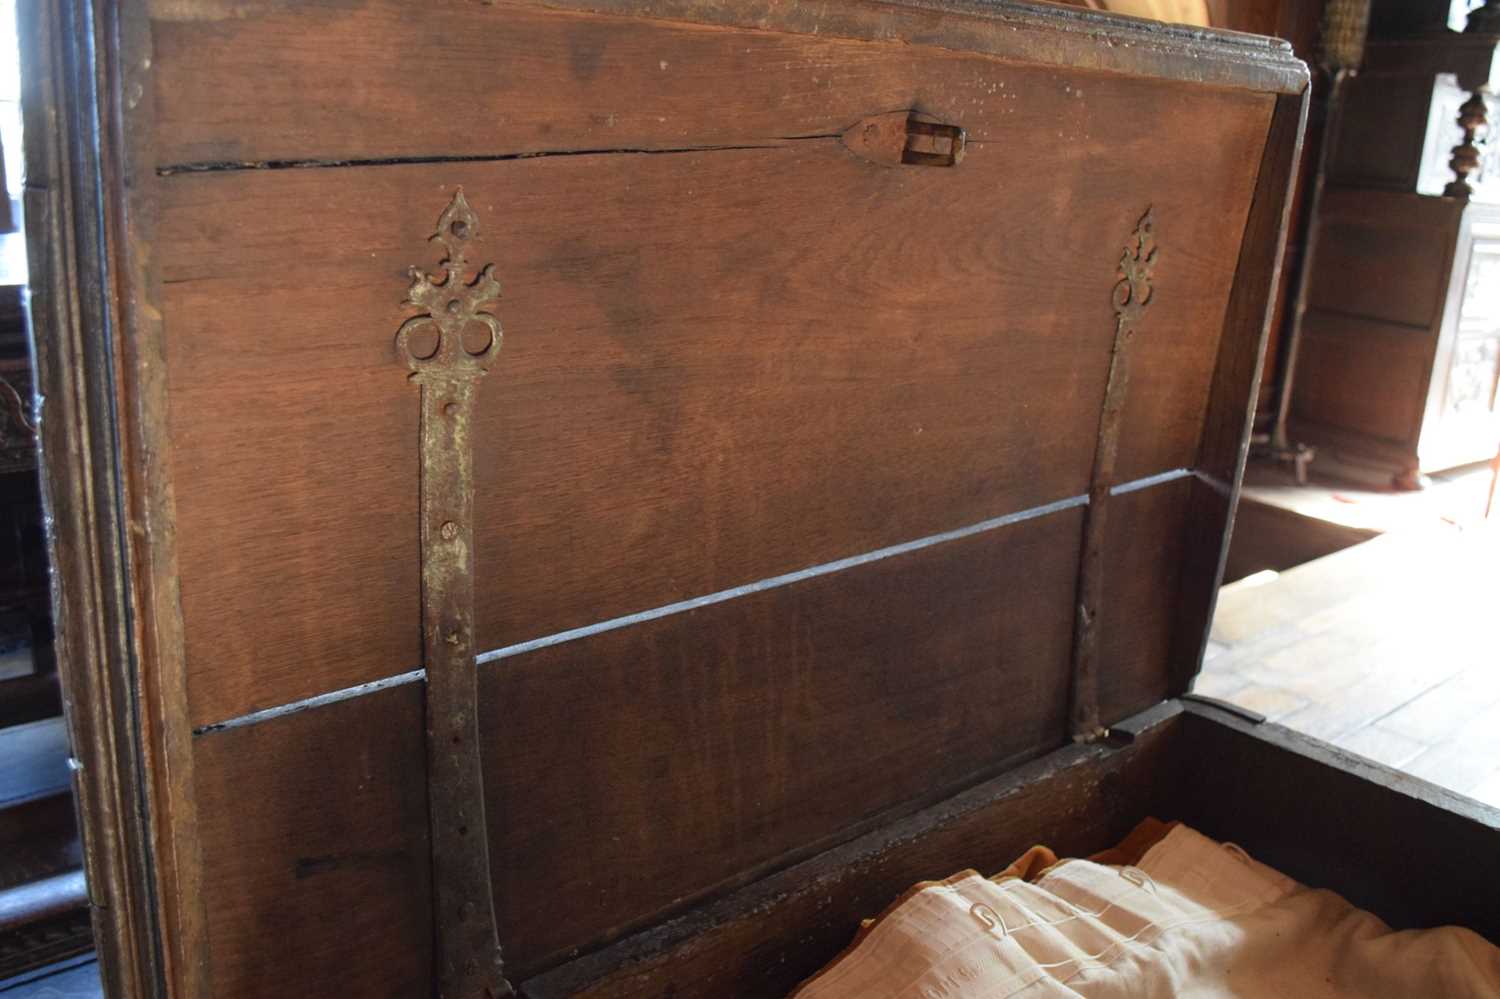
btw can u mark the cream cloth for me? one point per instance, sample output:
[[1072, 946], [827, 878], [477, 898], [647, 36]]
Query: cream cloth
[[1197, 919]]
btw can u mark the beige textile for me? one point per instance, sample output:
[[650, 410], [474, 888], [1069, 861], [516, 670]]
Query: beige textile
[[1173, 11], [1196, 919]]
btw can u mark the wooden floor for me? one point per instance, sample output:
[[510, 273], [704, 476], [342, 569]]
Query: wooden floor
[[74, 979], [1456, 497], [1390, 649]]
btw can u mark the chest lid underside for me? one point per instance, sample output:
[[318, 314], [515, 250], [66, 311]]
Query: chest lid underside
[[873, 389]]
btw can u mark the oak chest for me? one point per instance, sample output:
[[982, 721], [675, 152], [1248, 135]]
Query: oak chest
[[630, 485]]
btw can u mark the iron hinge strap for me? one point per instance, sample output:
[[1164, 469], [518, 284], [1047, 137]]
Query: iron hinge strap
[[1132, 293], [448, 348]]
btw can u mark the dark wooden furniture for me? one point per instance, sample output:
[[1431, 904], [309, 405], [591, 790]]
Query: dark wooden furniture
[[43, 908], [28, 681], [843, 465], [1400, 358]]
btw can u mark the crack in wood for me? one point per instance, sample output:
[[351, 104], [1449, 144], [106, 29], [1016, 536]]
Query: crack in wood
[[228, 166]]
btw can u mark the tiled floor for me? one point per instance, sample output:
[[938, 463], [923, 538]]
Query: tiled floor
[[1390, 649]]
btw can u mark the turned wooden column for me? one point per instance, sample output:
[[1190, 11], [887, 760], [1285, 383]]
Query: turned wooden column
[[1473, 118], [1485, 20]]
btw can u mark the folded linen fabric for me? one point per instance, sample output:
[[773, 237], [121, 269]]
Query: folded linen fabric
[[1193, 918]]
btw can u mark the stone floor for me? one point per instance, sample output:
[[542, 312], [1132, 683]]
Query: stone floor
[[1390, 649]]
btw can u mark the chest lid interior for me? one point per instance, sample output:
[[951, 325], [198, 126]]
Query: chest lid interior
[[824, 470]]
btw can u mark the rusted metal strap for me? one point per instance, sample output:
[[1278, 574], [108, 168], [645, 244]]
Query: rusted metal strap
[[448, 349], [1132, 293]]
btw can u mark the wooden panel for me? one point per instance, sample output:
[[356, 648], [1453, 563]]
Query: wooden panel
[[1143, 554], [644, 766], [806, 357], [1384, 256], [1384, 122], [315, 859], [1244, 782], [234, 78], [760, 942], [640, 768], [1399, 20], [1171, 367], [1366, 377]]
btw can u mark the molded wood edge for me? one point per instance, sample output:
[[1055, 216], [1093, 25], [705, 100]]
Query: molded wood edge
[[1043, 33], [1387, 779], [106, 488], [1390, 843]]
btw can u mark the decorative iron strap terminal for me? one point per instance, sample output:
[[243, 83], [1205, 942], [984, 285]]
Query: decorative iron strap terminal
[[448, 348], [1132, 294]]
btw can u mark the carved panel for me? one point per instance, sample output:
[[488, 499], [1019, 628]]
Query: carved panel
[[1481, 304], [17, 432], [1471, 382]]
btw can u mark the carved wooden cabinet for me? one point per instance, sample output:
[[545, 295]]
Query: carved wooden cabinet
[[1398, 365], [865, 393]]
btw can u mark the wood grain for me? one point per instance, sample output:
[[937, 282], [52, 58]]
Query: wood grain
[[106, 483], [315, 858], [643, 767], [234, 76], [719, 367], [1374, 377], [1380, 137], [746, 728], [1225, 437], [1368, 377], [1400, 823], [1383, 257], [1228, 419], [761, 941], [722, 364], [1145, 541]]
